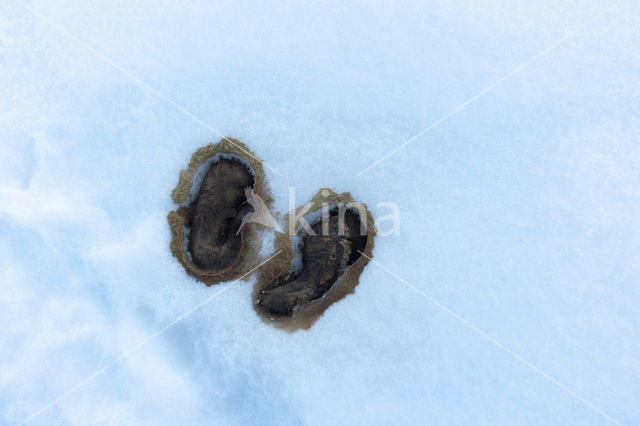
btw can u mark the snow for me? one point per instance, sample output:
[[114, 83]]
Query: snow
[[520, 212]]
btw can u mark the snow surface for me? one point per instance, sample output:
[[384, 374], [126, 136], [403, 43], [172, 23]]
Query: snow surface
[[520, 213]]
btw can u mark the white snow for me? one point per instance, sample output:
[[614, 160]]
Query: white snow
[[520, 212]]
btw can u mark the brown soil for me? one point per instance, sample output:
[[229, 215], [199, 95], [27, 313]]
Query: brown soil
[[206, 243], [214, 242], [217, 253], [332, 265]]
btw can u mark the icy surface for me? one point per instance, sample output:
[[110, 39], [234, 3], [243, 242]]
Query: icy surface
[[520, 213]]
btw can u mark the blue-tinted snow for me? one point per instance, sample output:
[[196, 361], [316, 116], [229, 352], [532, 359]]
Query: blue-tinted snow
[[520, 213]]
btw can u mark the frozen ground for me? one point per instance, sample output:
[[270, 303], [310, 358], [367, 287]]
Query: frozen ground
[[520, 213]]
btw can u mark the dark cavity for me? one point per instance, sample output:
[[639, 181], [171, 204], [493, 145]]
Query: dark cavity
[[325, 257], [215, 243]]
